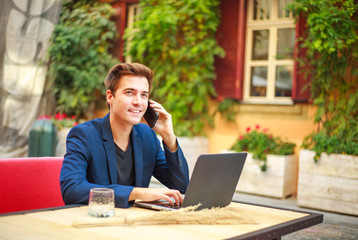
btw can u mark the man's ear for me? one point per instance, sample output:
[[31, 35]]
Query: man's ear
[[109, 97]]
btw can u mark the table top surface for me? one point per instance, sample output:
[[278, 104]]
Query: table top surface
[[252, 221]]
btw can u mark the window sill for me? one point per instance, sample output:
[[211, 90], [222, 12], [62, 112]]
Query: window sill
[[276, 110], [286, 102]]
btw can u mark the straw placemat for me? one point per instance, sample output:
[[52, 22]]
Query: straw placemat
[[215, 216]]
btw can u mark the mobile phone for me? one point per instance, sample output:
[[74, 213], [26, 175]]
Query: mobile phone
[[151, 116]]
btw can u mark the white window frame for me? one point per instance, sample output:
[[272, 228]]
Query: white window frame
[[133, 14], [272, 24]]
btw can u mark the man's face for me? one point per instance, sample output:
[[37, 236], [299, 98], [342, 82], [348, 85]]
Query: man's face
[[130, 100]]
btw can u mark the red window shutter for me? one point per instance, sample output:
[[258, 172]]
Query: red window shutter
[[231, 37], [120, 19], [300, 88]]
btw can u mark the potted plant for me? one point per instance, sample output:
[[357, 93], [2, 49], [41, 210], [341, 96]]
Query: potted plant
[[177, 40], [328, 172], [270, 168]]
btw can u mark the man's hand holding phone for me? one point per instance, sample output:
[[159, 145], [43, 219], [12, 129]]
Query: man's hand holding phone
[[151, 116], [162, 124]]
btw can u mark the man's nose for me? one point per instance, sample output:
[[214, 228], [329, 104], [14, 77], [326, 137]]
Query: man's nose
[[137, 100]]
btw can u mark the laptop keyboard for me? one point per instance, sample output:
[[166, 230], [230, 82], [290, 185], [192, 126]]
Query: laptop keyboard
[[167, 205], [174, 206]]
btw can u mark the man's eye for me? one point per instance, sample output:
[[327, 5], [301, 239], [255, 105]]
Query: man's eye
[[129, 93], [145, 95]]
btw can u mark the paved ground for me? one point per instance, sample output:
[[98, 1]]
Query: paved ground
[[334, 226]]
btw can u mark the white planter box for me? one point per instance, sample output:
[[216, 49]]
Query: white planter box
[[192, 148], [331, 184], [61, 141], [279, 181]]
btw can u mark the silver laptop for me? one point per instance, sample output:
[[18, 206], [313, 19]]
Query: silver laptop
[[212, 183]]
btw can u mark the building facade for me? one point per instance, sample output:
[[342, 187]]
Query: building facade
[[260, 70]]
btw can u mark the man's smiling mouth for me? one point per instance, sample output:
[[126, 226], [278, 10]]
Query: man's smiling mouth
[[135, 111]]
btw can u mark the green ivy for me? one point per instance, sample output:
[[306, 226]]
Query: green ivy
[[176, 38], [332, 54], [79, 57], [227, 109]]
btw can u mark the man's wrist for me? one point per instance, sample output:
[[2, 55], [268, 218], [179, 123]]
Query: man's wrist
[[170, 142], [134, 194]]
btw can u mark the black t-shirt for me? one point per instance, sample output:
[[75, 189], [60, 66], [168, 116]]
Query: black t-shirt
[[125, 165]]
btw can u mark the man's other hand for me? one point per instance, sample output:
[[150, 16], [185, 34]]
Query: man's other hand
[[153, 194]]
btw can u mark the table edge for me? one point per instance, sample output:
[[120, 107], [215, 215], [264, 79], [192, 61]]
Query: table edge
[[279, 230], [40, 210]]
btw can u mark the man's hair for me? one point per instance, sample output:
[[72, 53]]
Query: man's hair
[[125, 69]]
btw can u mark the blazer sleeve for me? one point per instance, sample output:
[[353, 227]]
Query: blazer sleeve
[[171, 168]]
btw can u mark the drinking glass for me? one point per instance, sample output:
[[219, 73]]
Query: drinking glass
[[101, 202]]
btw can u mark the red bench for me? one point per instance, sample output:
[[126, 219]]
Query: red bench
[[30, 183]]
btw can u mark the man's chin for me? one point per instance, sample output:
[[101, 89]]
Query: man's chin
[[136, 121]]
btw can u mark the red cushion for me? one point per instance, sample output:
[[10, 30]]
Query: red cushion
[[30, 183]]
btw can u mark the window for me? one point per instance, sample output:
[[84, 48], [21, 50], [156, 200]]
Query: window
[[133, 14], [269, 56]]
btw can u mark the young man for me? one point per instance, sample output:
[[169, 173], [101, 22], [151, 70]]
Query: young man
[[119, 152]]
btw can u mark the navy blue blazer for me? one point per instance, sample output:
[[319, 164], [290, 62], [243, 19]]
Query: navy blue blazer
[[90, 161]]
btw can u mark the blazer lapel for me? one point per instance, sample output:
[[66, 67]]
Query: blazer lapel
[[109, 149], [138, 157]]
